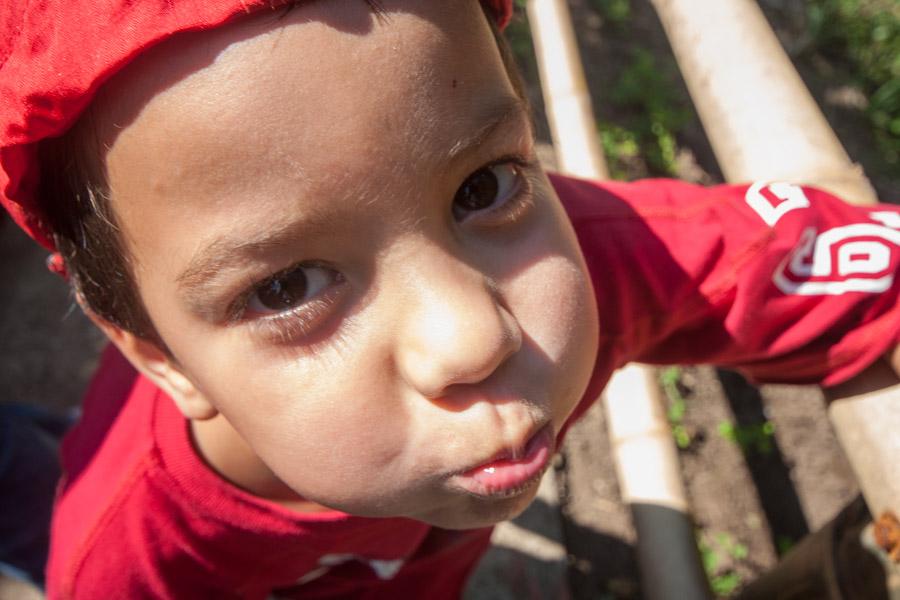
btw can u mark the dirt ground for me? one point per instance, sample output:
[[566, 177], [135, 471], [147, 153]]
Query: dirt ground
[[754, 490]]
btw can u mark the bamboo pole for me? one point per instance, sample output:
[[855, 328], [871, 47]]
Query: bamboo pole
[[760, 119], [649, 477], [566, 98], [865, 413], [763, 124], [642, 446]]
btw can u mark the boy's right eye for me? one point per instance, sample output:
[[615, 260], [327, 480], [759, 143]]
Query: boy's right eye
[[292, 304], [290, 289]]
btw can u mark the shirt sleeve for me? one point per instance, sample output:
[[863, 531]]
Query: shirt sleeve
[[781, 282]]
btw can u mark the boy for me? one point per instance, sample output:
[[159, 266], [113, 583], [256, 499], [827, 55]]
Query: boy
[[361, 318]]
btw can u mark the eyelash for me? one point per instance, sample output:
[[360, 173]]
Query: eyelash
[[298, 322]]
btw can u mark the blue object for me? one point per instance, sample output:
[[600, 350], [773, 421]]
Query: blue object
[[29, 472]]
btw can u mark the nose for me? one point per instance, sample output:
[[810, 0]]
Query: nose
[[456, 329]]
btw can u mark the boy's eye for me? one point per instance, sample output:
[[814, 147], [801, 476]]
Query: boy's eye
[[290, 289], [486, 188]]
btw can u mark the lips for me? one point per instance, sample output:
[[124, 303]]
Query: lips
[[510, 473]]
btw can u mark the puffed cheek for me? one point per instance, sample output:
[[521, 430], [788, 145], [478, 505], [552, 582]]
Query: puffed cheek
[[553, 301]]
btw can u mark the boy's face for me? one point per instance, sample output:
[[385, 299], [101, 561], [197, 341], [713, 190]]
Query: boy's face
[[338, 228]]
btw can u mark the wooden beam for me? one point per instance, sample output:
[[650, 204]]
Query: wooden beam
[[566, 98], [760, 119], [763, 124], [642, 445]]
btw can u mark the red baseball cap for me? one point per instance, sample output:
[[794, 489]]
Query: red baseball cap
[[55, 54]]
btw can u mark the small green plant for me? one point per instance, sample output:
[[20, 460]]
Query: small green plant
[[620, 146], [645, 89], [783, 544], [682, 437], [732, 547], [864, 35], [755, 437], [669, 379], [719, 552], [617, 12], [724, 585]]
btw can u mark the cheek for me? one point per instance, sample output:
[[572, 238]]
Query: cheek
[[554, 304], [551, 290], [304, 415]]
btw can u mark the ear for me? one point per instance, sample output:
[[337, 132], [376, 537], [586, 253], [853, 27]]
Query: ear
[[893, 357], [157, 365]]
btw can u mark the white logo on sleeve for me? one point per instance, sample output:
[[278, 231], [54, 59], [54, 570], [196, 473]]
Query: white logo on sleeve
[[851, 258], [771, 201], [886, 217], [383, 569]]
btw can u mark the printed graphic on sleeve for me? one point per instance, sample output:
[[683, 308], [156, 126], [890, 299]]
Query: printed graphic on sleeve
[[771, 201], [886, 217], [851, 258], [384, 569]]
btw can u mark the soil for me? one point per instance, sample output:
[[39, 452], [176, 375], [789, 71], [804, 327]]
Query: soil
[[747, 505], [748, 502]]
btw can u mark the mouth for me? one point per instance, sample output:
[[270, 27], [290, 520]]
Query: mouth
[[511, 472]]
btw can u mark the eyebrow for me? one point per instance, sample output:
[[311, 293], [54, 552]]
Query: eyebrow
[[234, 253], [498, 115]]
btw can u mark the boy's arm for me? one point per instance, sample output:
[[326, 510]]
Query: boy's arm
[[780, 282]]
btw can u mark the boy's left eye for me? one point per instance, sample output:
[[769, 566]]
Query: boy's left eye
[[486, 188]]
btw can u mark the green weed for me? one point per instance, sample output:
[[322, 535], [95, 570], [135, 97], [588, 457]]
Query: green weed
[[669, 379], [616, 12], [864, 35], [620, 146], [645, 91], [783, 544], [682, 437], [756, 437], [718, 553]]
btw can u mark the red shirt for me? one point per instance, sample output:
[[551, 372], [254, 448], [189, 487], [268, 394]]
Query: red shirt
[[781, 283]]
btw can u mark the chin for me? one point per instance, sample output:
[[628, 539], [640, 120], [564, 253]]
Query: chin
[[475, 512]]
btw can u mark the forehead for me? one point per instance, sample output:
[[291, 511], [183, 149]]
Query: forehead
[[322, 91]]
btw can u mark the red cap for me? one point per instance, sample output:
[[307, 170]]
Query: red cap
[[55, 54]]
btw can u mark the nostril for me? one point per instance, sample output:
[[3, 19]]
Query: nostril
[[514, 331]]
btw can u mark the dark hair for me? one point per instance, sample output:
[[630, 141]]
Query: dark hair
[[75, 199]]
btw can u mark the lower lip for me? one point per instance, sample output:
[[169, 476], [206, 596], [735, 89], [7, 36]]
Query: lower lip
[[505, 478]]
